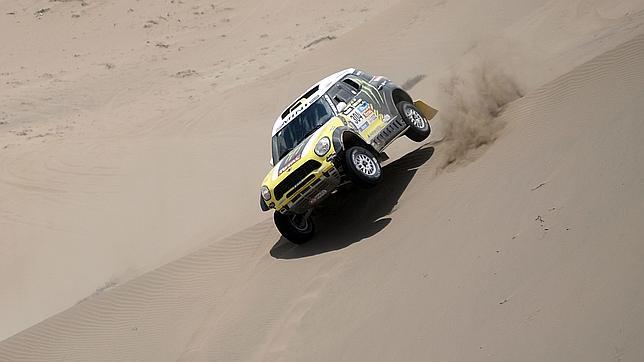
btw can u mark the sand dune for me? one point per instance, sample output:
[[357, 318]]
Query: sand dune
[[514, 234]]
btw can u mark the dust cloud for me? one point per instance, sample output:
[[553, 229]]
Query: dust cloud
[[473, 99]]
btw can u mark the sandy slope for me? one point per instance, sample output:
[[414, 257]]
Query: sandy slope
[[518, 237], [108, 173]]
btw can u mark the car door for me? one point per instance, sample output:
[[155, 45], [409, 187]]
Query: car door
[[363, 109]]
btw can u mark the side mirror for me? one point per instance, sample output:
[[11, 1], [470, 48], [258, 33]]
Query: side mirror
[[341, 106]]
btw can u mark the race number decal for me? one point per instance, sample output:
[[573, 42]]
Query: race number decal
[[358, 121]]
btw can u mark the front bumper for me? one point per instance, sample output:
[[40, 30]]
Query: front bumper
[[317, 186]]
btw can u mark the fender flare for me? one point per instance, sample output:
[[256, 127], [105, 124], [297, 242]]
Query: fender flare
[[336, 139], [262, 204]]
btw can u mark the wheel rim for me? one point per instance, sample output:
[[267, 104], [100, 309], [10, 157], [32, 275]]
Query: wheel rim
[[299, 222], [365, 164], [416, 118]]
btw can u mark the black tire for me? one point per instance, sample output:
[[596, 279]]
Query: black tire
[[419, 128], [297, 234], [362, 167]]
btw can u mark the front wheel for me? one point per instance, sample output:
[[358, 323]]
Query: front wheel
[[362, 167], [419, 128], [297, 228]]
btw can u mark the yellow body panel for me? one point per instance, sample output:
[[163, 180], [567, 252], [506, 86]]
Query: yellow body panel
[[375, 127]]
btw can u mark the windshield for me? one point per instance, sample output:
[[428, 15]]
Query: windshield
[[302, 126]]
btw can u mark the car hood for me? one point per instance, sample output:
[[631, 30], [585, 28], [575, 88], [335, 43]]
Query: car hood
[[294, 157], [302, 152]]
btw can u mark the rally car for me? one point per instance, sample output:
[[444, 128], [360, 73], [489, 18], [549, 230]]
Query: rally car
[[334, 134]]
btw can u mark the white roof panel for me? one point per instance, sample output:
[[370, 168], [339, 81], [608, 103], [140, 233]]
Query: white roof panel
[[323, 85]]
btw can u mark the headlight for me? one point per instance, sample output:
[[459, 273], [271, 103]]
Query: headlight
[[266, 193], [323, 146]]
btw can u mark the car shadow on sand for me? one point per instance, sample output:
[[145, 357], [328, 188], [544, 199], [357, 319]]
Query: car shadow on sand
[[353, 214]]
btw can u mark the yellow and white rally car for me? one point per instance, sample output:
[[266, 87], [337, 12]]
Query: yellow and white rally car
[[331, 135]]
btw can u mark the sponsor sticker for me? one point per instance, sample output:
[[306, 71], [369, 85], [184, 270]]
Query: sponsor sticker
[[362, 106], [291, 159], [369, 115], [318, 197], [362, 114]]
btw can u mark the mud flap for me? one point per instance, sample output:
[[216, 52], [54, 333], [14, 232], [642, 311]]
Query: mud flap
[[426, 110]]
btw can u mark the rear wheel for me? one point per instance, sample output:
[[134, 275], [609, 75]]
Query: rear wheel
[[362, 167], [419, 128], [297, 228]]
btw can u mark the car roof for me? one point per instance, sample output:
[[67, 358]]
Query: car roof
[[304, 101]]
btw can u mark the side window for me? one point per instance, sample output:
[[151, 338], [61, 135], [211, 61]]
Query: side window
[[352, 84], [343, 92]]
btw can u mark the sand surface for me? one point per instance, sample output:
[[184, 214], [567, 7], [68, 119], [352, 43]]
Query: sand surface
[[133, 136]]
